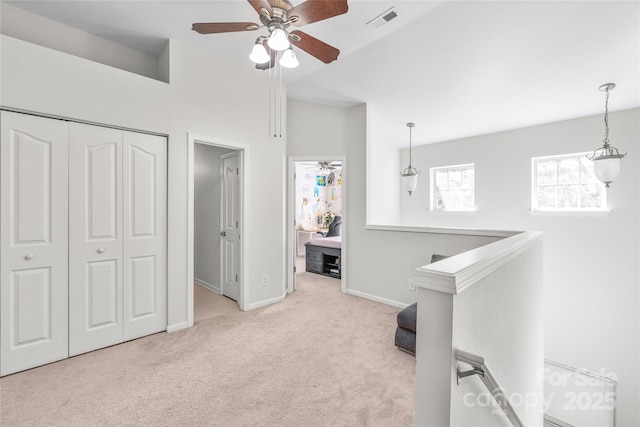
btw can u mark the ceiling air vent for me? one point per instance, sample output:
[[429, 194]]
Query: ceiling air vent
[[382, 19]]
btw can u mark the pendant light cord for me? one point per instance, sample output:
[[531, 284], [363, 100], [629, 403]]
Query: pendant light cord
[[410, 134], [606, 120]]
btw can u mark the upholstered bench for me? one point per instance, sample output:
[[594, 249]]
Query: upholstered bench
[[406, 330]]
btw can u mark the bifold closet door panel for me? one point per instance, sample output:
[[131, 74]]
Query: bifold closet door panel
[[145, 234], [95, 237], [33, 241]]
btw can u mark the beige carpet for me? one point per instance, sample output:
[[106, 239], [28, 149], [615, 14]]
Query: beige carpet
[[320, 358], [208, 304]]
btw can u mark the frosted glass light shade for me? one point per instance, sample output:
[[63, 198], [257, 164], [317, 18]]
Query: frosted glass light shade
[[606, 169], [259, 54], [288, 59], [410, 182], [278, 40]]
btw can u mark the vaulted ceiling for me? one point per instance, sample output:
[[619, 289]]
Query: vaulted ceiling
[[455, 68]]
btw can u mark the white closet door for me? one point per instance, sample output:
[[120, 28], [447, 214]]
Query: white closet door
[[33, 248], [145, 234], [95, 237]]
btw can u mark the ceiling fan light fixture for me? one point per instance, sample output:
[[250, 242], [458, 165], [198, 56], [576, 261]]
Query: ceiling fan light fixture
[[288, 59], [259, 54], [279, 40]]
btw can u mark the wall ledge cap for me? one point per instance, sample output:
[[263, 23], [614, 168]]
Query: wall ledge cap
[[443, 230], [455, 274]]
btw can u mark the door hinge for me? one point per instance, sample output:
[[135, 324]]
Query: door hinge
[[294, 269], [236, 277], [236, 224], [237, 171]]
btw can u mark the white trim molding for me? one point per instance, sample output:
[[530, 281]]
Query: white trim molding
[[290, 228], [177, 327], [375, 298], [265, 303], [455, 274], [208, 285], [192, 139], [443, 230]]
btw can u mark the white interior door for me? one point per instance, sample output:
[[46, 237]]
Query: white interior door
[[145, 234], [231, 225], [33, 243], [95, 237]]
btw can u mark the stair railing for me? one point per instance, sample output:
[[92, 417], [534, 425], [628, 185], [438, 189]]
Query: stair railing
[[480, 368]]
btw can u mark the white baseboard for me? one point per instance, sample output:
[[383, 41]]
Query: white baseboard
[[376, 298], [177, 327], [266, 302], [207, 285]]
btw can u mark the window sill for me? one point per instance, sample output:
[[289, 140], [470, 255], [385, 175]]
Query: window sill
[[575, 214], [470, 212]]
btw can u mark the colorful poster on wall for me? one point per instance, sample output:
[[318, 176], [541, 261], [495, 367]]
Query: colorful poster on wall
[[321, 181]]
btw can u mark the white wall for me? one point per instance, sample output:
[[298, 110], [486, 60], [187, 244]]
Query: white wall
[[207, 182], [591, 275], [207, 97], [378, 263], [27, 26], [383, 177]]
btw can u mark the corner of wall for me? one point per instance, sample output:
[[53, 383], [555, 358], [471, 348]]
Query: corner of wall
[[164, 63]]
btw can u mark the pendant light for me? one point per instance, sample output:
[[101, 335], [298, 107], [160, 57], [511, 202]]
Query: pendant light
[[410, 174], [606, 159]]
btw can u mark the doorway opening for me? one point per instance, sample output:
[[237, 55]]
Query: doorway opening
[[317, 208], [214, 253]]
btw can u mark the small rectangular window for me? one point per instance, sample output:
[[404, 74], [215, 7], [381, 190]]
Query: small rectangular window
[[453, 188], [566, 183]]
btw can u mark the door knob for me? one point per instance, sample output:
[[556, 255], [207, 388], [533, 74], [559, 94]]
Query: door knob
[[100, 250], [29, 256], [224, 233]]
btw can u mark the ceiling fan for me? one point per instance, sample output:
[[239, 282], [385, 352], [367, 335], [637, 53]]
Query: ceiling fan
[[324, 166], [277, 16]]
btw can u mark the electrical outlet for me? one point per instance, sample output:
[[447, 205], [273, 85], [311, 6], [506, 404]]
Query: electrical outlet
[[412, 286], [265, 280], [216, 222]]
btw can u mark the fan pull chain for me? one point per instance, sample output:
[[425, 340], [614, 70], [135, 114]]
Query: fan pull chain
[[269, 105], [280, 89], [275, 101]]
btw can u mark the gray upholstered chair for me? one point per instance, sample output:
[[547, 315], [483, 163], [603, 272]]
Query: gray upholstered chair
[[335, 228], [406, 330]]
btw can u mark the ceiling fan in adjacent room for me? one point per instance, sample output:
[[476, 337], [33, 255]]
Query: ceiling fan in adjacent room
[[324, 166], [277, 16]]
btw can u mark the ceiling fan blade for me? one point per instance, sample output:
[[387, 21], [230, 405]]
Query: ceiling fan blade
[[258, 5], [317, 10], [223, 27], [324, 52], [272, 61]]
